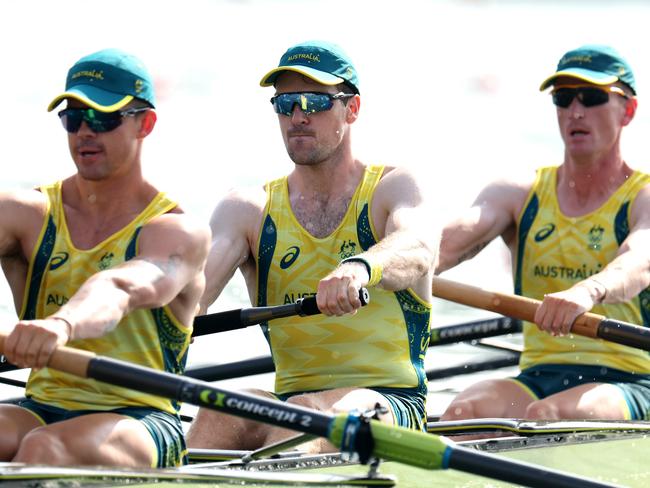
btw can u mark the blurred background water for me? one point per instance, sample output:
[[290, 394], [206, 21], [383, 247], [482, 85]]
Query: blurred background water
[[449, 87]]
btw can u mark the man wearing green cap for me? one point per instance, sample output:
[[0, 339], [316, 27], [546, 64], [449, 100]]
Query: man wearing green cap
[[579, 234], [101, 261], [330, 227]]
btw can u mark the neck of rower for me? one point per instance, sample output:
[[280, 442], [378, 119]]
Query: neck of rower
[[320, 194], [584, 184], [96, 209]]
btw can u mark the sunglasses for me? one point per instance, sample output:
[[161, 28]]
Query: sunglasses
[[587, 95], [97, 121], [308, 102]]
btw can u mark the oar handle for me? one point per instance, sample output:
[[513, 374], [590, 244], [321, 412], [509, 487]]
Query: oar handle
[[512, 305], [588, 324], [66, 359], [307, 306]]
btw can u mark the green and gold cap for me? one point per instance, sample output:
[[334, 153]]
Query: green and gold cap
[[593, 63], [106, 81], [323, 62]]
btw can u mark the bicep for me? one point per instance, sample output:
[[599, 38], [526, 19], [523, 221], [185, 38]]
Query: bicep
[[233, 225], [493, 214], [227, 253], [400, 204], [21, 218]]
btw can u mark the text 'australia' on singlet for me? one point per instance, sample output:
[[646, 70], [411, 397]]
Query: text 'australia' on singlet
[[152, 338], [555, 251], [383, 345]]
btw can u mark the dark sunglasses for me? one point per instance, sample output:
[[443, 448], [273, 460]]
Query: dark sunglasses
[[587, 95], [308, 102], [97, 121]]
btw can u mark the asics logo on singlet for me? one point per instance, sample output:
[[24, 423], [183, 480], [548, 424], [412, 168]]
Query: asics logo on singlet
[[290, 257], [58, 260], [544, 232]]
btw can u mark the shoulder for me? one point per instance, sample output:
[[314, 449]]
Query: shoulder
[[22, 203], [178, 227], [511, 190], [239, 207], [402, 183], [640, 210]]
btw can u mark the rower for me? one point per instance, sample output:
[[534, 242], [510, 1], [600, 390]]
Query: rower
[[332, 226], [105, 262], [579, 235]]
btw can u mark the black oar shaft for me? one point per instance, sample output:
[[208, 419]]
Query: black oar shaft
[[345, 431], [624, 333], [236, 369], [475, 329], [244, 317], [203, 394], [392, 446], [479, 463]]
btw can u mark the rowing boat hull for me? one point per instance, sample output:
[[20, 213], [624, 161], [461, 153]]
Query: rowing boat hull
[[622, 461]]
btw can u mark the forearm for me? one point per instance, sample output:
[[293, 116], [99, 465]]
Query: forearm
[[620, 281], [401, 259], [451, 255], [96, 309], [105, 298]]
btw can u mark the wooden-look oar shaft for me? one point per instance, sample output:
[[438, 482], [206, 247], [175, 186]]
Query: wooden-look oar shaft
[[511, 305], [66, 359], [588, 324]]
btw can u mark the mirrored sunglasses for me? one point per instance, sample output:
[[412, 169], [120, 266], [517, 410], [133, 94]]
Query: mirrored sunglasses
[[97, 121], [587, 95], [308, 102]]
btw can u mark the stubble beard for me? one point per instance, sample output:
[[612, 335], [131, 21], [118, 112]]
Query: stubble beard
[[309, 158]]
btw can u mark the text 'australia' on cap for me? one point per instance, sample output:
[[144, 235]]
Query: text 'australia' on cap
[[593, 63], [323, 62], [107, 80]]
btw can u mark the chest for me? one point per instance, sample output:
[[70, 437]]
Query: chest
[[553, 237], [320, 217], [88, 233]]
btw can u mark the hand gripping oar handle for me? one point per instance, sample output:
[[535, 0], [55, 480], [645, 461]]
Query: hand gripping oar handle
[[588, 324], [243, 317], [385, 441]]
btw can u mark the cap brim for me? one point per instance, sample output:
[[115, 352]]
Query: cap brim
[[580, 74], [319, 76], [94, 97]]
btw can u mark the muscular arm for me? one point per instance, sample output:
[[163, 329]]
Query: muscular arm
[[404, 256], [167, 270], [493, 214], [234, 222], [171, 256], [21, 218]]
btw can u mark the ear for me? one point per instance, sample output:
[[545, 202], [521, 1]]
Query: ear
[[147, 123], [353, 106], [630, 110]]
